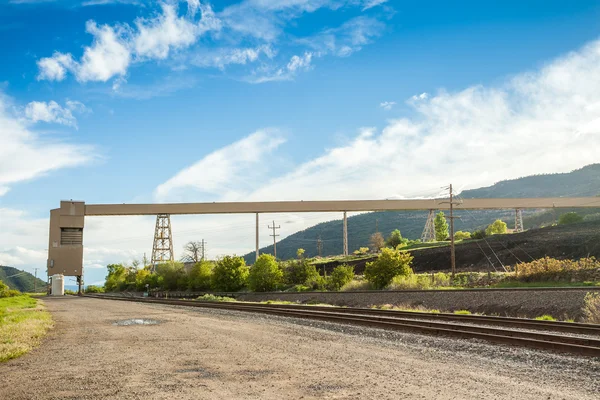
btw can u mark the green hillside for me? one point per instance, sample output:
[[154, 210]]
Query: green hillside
[[20, 280], [579, 183]]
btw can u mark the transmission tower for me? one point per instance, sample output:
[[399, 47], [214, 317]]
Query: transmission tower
[[428, 234], [162, 249], [518, 220], [274, 238], [319, 246]]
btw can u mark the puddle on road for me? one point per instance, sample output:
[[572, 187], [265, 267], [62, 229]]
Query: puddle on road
[[136, 321]]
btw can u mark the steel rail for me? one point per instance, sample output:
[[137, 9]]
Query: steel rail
[[568, 344]]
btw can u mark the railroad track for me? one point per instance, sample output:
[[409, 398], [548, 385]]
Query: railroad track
[[528, 333]]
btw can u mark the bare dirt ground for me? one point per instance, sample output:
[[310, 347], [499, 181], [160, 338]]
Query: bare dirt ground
[[215, 354]]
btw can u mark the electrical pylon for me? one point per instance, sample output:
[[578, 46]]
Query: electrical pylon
[[162, 249], [518, 220], [428, 234]]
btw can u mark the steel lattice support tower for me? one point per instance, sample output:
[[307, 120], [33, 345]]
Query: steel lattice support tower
[[518, 220], [428, 234], [162, 249]]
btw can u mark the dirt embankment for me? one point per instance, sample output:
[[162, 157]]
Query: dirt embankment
[[562, 242]]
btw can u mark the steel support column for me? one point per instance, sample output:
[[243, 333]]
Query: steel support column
[[519, 220], [345, 234], [257, 236]]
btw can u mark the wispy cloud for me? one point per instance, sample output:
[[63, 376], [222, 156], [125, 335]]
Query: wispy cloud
[[387, 105], [52, 112], [240, 34], [25, 155], [226, 171]]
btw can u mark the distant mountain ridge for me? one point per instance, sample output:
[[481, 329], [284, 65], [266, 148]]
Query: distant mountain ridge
[[583, 182], [20, 280]]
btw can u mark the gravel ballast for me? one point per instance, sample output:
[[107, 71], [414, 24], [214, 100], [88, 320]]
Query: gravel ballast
[[194, 353]]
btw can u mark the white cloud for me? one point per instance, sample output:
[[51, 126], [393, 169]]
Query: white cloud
[[239, 34], [25, 155], [422, 96], [346, 39], [372, 3], [297, 62], [55, 68], [220, 58], [157, 36], [115, 48], [226, 171], [52, 112], [387, 105]]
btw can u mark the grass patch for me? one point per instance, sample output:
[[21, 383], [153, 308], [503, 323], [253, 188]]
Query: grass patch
[[462, 312], [23, 322], [545, 317], [212, 297]]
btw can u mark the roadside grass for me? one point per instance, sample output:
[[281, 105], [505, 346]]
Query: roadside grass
[[23, 322], [462, 312]]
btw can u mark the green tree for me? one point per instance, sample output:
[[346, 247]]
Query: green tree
[[569, 218], [199, 277], [94, 289], [115, 280], [298, 272], [340, 275], [460, 235], [265, 275], [496, 227], [395, 239], [377, 241], [171, 275], [441, 227], [230, 274], [300, 253], [389, 264]]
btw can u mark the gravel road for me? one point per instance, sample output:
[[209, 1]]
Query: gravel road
[[215, 354]]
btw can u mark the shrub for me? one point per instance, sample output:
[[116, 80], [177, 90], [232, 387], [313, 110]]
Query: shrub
[[496, 227], [356, 285], [410, 282], [545, 317], [569, 218], [389, 264], [200, 276], [460, 235], [591, 308], [5, 291], [212, 297], [265, 275], [230, 274], [480, 234], [340, 276], [549, 267], [361, 251], [297, 272], [94, 289]]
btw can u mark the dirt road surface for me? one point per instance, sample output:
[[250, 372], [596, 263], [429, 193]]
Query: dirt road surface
[[214, 354]]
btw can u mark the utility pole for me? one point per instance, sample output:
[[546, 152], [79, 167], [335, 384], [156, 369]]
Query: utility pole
[[203, 249], [452, 217], [319, 245], [376, 225], [35, 282], [274, 238]]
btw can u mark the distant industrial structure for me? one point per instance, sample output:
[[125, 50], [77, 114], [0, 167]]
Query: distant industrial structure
[[65, 248]]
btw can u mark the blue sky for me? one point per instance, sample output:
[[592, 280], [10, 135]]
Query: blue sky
[[144, 101]]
